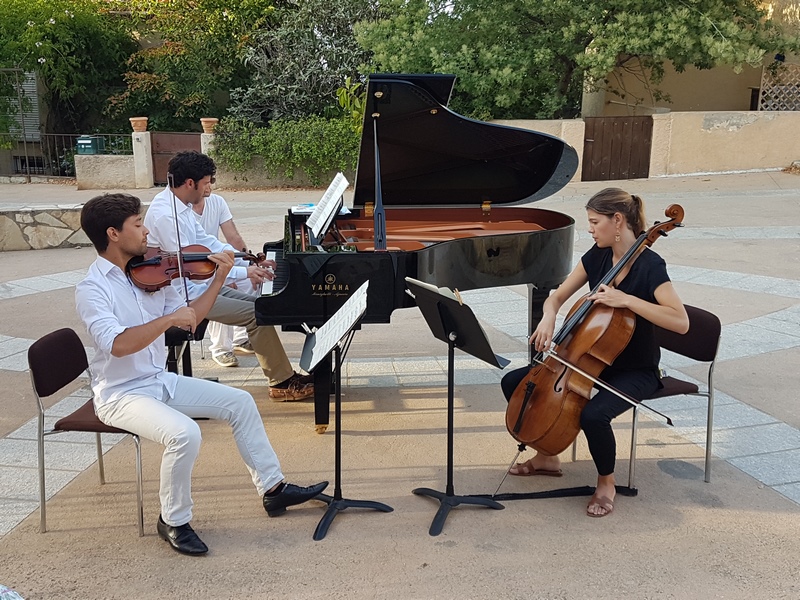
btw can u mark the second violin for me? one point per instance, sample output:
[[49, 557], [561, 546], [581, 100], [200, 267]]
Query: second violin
[[157, 268]]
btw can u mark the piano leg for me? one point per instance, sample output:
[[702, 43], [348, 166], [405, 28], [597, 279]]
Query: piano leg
[[536, 298], [322, 394]]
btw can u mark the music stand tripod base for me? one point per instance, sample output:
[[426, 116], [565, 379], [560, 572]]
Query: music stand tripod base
[[337, 505], [450, 501]]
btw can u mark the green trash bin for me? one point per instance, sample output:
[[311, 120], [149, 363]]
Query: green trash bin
[[91, 144]]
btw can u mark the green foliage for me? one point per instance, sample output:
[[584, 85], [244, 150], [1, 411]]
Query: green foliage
[[352, 98], [532, 58], [300, 63], [313, 145], [77, 50], [192, 55]]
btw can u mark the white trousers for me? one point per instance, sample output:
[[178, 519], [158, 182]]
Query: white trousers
[[168, 421], [224, 337]]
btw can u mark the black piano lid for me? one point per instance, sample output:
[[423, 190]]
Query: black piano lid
[[431, 156]]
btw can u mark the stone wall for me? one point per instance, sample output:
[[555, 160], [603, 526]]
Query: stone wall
[[27, 228], [110, 171], [686, 143], [104, 171]]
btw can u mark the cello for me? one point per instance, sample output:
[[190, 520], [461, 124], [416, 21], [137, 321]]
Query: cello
[[544, 411]]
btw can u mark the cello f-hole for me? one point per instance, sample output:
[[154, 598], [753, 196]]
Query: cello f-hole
[[556, 387]]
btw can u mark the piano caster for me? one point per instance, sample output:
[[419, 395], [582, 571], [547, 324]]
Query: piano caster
[[320, 429]]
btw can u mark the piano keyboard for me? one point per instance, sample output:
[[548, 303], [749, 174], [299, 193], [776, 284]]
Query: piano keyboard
[[268, 288]]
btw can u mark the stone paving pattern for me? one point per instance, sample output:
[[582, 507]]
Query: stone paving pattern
[[737, 256]]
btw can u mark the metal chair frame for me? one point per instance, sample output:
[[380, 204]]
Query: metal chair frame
[[700, 343]]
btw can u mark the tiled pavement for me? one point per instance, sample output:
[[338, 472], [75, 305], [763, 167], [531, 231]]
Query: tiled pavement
[[755, 442]]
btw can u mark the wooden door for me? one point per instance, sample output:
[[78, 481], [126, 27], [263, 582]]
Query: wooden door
[[617, 148], [165, 146]]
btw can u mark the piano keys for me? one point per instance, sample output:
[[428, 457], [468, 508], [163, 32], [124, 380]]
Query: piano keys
[[443, 198]]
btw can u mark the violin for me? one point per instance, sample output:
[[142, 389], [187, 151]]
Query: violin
[[544, 410], [157, 268]]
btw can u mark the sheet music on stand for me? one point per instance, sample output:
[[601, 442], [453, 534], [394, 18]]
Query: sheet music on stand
[[319, 344], [327, 208], [433, 303]]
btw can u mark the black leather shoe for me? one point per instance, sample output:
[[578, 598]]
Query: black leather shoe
[[181, 538], [291, 495]]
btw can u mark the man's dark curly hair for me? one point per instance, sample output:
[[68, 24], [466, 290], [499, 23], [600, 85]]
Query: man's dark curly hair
[[108, 210], [190, 165]]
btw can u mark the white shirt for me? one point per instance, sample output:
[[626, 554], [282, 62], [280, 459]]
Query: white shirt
[[215, 213], [108, 304], [160, 224]]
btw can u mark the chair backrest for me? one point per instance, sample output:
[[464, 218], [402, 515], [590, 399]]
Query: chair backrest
[[700, 342], [55, 360]]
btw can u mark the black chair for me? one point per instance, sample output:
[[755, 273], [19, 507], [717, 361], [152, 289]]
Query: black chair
[[56, 360], [178, 347], [701, 344]]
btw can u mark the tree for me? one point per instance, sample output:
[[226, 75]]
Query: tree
[[301, 63], [532, 58], [77, 50], [191, 56]]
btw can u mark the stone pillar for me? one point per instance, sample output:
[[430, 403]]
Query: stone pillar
[[573, 132], [207, 142], [143, 160], [660, 145]]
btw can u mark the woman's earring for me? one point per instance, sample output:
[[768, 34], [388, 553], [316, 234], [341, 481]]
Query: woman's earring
[[617, 237]]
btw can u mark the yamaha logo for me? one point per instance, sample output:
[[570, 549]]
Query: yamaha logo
[[330, 287]]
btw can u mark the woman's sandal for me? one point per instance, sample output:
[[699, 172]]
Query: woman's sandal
[[603, 502], [526, 469]]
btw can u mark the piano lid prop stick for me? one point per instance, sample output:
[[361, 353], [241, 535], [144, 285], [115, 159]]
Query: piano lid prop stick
[[380, 216]]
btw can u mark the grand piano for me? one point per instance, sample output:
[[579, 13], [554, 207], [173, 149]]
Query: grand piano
[[435, 196]]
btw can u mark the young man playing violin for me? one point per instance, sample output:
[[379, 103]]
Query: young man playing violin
[[616, 218], [133, 390], [191, 173]]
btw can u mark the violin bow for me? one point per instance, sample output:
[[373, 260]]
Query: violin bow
[[170, 185], [620, 394]]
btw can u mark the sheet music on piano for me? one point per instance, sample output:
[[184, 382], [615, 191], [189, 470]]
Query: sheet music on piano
[[326, 209], [323, 340]]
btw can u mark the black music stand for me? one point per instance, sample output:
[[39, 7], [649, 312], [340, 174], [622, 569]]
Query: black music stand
[[319, 345], [455, 324]]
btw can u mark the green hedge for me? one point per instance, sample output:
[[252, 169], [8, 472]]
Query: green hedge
[[314, 145]]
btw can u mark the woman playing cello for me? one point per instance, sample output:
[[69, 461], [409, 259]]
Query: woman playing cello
[[616, 218]]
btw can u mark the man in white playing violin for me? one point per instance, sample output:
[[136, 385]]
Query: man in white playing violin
[[616, 219], [191, 172], [134, 391]]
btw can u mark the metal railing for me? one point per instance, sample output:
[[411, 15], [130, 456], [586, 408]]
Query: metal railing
[[52, 155]]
